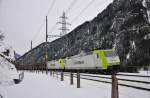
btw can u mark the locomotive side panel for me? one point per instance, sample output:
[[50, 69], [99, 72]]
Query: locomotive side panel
[[53, 64], [80, 62]]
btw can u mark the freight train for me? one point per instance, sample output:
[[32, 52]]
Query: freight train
[[101, 60]]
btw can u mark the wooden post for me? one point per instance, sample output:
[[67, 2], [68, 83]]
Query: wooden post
[[56, 74], [42, 68], [46, 71], [62, 76], [114, 91], [51, 73], [71, 78], [78, 79]]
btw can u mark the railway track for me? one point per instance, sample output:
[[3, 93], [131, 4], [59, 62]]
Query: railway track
[[137, 84], [133, 75], [118, 79]]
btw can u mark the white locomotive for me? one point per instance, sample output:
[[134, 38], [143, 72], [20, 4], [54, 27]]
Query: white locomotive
[[95, 60]]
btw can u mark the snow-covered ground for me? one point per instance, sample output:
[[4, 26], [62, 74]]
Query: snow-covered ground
[[38, 85]]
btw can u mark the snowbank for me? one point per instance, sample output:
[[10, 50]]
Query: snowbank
[[8, 72]]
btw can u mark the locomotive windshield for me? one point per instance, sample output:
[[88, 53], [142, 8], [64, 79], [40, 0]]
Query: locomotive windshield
[[110, 53]]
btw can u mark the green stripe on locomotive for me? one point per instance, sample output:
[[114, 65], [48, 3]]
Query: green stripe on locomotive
[[62, 63]]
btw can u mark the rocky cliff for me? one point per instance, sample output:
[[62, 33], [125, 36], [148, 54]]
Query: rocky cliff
[[123, 25]]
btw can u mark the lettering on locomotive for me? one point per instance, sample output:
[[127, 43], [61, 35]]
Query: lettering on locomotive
[[79, 62]]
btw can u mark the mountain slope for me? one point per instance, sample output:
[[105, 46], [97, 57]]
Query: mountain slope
[[123, 25]]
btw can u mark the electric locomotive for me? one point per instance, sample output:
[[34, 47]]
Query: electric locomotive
[[100, 60]]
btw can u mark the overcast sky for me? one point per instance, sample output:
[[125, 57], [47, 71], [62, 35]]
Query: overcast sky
[[21, 20]]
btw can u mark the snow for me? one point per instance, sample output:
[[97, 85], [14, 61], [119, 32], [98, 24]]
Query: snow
[[146, 73], [146, 37], [4, 47], [144, 3], [44, 86], [8, 72], [128, 56], [38, 85], [148, 9], [148, 13], [133, 45]]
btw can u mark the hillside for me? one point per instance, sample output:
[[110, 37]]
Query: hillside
[[123, 25]]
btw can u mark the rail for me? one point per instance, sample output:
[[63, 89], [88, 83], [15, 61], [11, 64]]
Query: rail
[[97, 79]]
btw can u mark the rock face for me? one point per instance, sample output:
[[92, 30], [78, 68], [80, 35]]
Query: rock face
[[123, 25]]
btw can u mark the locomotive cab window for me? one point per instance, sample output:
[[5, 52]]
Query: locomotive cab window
[[110, 54]]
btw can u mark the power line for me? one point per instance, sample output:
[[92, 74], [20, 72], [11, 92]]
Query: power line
[[53, 28], [51, 6], [71, 5], [42, 23], [63, 28], [69, 8], [67, 11], [38, 31], [82, 11]]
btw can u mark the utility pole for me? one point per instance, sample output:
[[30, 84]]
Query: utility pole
[[46, 29], [78, 79], [46, 52], [71, 78], [31, 44], [64, 24]]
